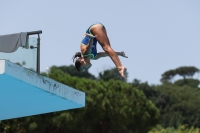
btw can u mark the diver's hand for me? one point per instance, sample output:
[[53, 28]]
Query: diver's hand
[[123, 54], [90, 35]]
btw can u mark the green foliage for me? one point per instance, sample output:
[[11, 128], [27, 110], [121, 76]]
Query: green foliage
[[11, 126], [112, 106], [194, 83], [147, 90], [180, 129], [178, 105], [185, 71], [168, 75], [111, 74], [71, 70], [21, 64]]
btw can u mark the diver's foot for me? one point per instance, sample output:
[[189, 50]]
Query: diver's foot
[[122, 72]]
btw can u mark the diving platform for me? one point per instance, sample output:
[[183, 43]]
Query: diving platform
[[24, 92]]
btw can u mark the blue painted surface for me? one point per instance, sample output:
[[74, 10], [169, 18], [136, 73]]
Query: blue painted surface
[[25, 93], [19, 99]]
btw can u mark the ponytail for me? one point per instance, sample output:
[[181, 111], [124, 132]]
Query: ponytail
[[77, 62], [77, 54]]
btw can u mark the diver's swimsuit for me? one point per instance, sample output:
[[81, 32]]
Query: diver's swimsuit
[[86, 40]]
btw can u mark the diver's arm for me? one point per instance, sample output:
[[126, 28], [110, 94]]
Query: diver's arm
[[87, 48]]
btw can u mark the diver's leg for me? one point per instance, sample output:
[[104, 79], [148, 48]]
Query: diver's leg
[[103, 40]]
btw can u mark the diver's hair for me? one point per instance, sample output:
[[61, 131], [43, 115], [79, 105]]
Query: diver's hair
[[77, 62], [77, 54]]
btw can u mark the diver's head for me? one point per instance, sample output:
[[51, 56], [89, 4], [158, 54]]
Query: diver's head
[[80, 63]]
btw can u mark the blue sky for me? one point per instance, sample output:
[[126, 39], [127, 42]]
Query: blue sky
[[156, 35]]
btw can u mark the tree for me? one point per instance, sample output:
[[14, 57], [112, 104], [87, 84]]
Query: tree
[[178, 105], [185, 71], [135, 82], [111, 74], [21, 64], [112, 106], [194, 83], [71, 70], [168, 75]]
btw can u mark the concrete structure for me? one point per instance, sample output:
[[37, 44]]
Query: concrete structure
[[24, 93]]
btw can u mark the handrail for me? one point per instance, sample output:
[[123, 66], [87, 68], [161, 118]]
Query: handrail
[[34, 32]]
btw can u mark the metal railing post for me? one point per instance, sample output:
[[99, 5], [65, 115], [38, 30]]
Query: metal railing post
[[38, 54], [38, 48]]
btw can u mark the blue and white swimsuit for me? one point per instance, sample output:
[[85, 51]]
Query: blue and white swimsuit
[[86, 40]]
